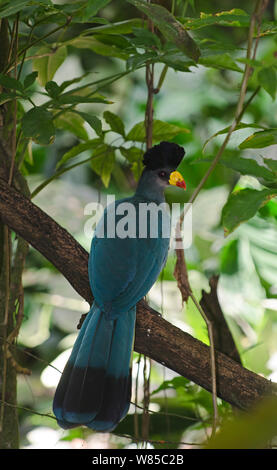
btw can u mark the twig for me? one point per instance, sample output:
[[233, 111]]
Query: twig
[[136, 424], [149, 105], [13, 150], [7, 271], [36, 41]]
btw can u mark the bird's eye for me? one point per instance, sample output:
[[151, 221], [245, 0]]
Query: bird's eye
[[162, 174]]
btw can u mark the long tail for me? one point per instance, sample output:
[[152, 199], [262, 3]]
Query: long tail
[[95, 387]]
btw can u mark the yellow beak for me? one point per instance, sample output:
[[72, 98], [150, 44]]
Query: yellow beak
[[176, 179]]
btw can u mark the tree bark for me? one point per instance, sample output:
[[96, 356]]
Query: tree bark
[[155, 336]]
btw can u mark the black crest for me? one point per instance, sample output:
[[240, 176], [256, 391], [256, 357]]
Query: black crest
[[164, 155]]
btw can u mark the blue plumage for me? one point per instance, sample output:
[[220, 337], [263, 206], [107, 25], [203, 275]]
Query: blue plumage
[[95, 387]]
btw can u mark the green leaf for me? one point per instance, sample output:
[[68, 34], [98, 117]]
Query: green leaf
[[52, 89], [246, 166], [249, 166], [38, 124], [267, 79], [242, 205], [93, 6], [272, 164], [161, 131], [171, 28], [72, 98], [132, 154], [67, 83], [144, 37], [220, 61], [177, 61], [240, 126], [115, 123], [73, 123], [229, 256], [235, 18], [93, 121], [5, 97], [30, 79], [250, 430], [10, 8], [75, 151], [102, 162], [99, 47], [9, 82], [175, 383], [48, 65], [260, 139], [121, 27]]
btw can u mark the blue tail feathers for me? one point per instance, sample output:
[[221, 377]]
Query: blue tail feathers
[[95, 387]]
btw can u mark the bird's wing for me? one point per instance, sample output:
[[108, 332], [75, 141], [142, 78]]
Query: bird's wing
[[122, 270]]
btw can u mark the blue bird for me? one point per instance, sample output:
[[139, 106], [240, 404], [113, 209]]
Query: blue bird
[[125, 261]]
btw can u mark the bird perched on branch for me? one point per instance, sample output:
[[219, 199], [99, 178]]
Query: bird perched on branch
[[95, 387]]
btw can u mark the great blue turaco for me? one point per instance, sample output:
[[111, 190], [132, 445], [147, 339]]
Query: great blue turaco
[[95, 387]]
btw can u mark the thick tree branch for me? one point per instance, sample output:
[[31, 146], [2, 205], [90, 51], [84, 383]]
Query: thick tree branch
[[155, 336]]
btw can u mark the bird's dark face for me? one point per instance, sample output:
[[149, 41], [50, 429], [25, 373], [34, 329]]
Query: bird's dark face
[[162, 177]]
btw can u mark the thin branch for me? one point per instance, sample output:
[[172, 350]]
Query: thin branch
[[13, 140], [36, 41]]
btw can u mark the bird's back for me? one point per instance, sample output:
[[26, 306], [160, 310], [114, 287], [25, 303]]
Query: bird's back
[[128, 251]]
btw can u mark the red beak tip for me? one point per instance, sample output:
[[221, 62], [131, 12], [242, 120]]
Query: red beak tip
[[181, 184]]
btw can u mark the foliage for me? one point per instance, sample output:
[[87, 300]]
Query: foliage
[[92, 121]]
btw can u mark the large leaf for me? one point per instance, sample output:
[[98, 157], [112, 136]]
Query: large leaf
[[73, 123], [161, 131], [176, 60], [115, 122], [240, 126], [74, 98], [10, 8], [272, 164], [170, 27], [245, 166], [102, 162], [260, 139], [38, 124], [30, 79], [93, 121], [9, 82], [99, 47], [134, 156], [219, 61], [48, 65], [232, 18], [251, 430], [242, 205], [122, 27], [268, 80]]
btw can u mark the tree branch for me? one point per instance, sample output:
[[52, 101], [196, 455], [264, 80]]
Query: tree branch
[[155, 337]]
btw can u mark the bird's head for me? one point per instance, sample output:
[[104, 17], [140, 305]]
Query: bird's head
[[162, 160]]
